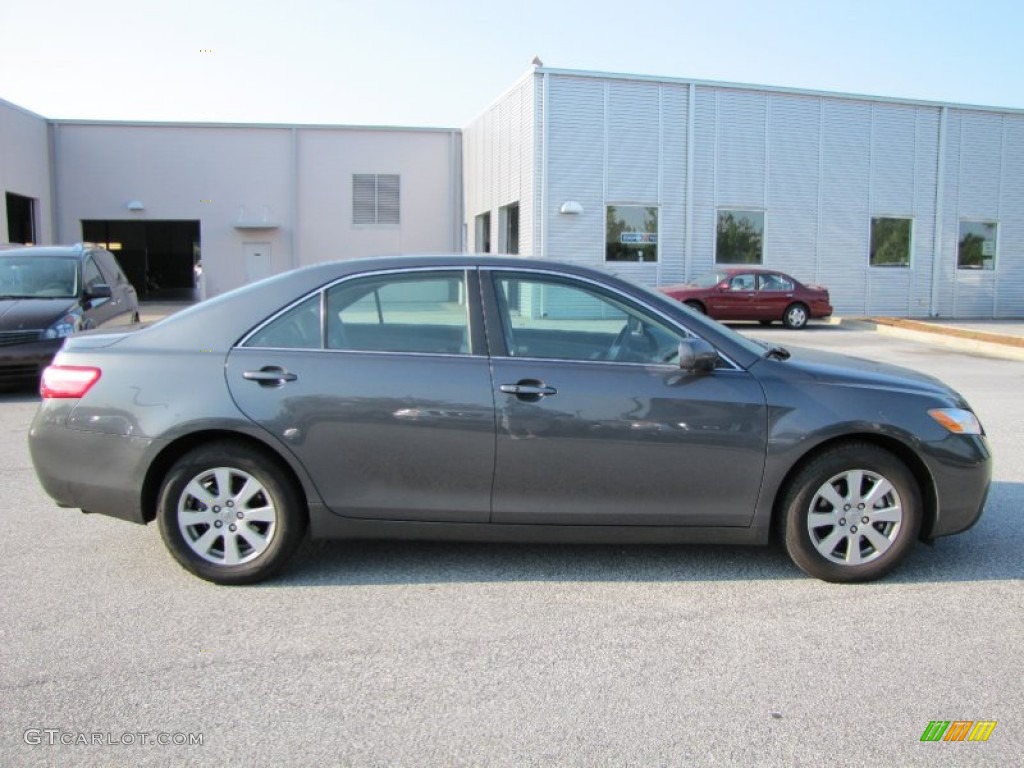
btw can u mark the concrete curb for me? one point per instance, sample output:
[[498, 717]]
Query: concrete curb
[[984, 343]]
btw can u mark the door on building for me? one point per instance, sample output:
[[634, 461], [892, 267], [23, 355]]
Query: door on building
[[257, 261], [21, 219]]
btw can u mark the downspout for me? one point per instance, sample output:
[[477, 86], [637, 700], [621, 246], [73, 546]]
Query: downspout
[[690, 123], [52, 147], [544, 170], [940, 183]]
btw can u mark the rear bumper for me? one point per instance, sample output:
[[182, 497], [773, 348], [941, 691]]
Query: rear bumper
[[92, 471]]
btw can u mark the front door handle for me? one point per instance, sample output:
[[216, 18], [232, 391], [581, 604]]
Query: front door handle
[[269, 376], [528, 390]]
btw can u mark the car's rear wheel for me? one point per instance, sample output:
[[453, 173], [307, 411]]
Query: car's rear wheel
[[229, 514], [696, 306], [851, 514], [796, 316]]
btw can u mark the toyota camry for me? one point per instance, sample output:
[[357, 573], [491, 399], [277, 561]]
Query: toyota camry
[[502, 399]]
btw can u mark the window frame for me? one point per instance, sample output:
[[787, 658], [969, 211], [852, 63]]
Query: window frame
[[995, 240], [764, 228], [656, 207], [476, 334], [871, 241]]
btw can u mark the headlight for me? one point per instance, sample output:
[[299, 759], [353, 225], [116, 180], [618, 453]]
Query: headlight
[[957, 420], [64, 326]]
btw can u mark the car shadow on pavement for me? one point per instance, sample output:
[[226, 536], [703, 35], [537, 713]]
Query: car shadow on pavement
[[985, 553]]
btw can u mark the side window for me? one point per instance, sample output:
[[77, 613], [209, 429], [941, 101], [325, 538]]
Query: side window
[[298, 328], [108, 263], [741, 283], [91, 274], [773, 282], [559, 319], [424, 312]]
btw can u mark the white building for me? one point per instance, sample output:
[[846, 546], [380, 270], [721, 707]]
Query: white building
[[900, 207]]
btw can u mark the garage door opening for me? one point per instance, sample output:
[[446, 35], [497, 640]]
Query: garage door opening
[[161, 258]]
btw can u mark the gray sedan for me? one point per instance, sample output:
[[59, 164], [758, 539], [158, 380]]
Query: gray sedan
[[502, 399]]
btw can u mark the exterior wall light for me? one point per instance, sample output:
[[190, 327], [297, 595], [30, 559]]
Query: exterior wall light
[[135, 205], [571, 206]]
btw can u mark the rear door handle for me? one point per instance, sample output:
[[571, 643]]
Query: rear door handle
[[269, 376]]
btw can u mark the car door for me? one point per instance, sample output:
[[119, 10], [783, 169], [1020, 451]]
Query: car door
[[734, 297], [598, 425], [380, 386], [123, 297], [774, 294], [98, 311]]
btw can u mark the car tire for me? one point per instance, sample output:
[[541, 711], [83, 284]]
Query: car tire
[[229, 513], [696, 306], [796, 316], [852, 514]]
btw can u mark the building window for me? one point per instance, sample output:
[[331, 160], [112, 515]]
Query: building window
[[375, 198], [631, 233], [508, 219], [976, 248], [890, 242], [483, 233], [740, 237]]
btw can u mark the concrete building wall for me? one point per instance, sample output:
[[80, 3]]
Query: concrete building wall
[[25, 166], [286, 191]]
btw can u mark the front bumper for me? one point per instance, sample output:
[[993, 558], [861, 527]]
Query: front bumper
[[22, 363], [961, 467]]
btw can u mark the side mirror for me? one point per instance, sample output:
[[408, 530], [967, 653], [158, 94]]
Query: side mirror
[[98, 291], [697, 355]]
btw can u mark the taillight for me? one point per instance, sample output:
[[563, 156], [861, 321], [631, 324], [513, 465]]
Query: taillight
[[67, 381]]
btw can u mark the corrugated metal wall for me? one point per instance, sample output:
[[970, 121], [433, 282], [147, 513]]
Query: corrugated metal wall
[[500, 165], [819, 166]]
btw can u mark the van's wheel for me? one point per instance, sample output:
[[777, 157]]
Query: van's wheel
[[796, 316], [229, 514], [852, 514]]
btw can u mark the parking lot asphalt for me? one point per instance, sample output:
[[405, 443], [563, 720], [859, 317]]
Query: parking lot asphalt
[[421, 654]]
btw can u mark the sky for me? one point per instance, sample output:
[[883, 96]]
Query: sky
[[442, 62]]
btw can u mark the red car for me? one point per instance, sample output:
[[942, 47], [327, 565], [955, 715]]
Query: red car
[[743, 293]]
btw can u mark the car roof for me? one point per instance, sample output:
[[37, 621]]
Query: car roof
[[746, 270], [76, 251]]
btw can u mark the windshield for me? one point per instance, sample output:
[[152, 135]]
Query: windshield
[[38, 277]]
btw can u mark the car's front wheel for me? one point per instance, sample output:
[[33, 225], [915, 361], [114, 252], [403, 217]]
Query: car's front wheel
[[851, 514], [229, 514]]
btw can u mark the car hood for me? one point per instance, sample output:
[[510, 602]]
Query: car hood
[[29, 314], [843, 370]]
